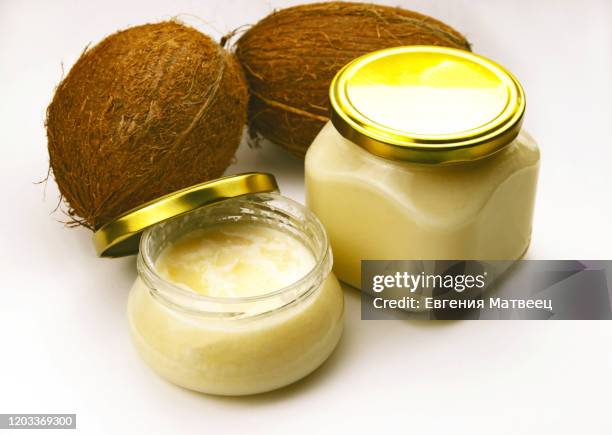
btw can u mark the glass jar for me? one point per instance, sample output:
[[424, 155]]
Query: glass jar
[[423, 159], [236, 345]]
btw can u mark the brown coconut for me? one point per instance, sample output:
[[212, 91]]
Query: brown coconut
[[291, 56], [149, 110]]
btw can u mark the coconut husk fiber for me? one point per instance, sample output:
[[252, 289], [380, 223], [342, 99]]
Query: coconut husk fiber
[[291, 56], [149, 110]]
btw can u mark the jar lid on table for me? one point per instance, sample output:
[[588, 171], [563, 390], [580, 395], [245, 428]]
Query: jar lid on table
[[427, 104], [120, 237]]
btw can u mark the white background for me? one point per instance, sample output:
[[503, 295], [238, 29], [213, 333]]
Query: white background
[[64, 345]]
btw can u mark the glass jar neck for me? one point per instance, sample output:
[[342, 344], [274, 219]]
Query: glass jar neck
[[269, 209]]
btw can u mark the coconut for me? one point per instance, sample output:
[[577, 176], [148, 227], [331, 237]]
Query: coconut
[[291, 56], [149, 110]]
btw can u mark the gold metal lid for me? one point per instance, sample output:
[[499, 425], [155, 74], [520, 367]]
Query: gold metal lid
[[427, 104], [121, 236]]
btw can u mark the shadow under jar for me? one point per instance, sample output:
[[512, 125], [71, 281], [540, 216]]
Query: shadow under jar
[[423, 159], [223, 339]]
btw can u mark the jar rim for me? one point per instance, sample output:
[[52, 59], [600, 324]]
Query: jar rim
[[322, 267]]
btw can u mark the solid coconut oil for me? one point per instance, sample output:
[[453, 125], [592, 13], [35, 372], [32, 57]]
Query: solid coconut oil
[[373, 208], [236, 298], [235, 260]]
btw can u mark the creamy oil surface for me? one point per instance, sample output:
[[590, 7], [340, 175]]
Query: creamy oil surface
[[235, 260], [379, 209], [277, 345]]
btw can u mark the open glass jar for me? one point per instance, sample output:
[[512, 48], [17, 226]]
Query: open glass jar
[[423, 159], [235, 345]]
